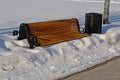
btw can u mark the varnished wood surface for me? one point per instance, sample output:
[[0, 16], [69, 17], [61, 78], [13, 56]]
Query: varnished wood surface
[[50, 32]]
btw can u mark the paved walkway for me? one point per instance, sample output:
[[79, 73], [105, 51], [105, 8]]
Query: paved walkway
[[109, 70]]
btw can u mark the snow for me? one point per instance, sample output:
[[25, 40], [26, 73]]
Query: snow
[[97, 1], [18, 62]]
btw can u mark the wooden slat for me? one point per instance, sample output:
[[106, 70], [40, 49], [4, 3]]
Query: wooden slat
[[59, 38]]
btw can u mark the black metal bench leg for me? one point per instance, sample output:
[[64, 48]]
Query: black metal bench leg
[[32, 40]]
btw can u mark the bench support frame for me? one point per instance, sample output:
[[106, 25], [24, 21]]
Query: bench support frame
[[24, 33]]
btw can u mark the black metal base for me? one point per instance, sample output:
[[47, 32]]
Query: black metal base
[[32, 40], [24, 33]]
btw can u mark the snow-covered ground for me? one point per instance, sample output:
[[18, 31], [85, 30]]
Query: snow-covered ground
[[98, 1], [18, 62]]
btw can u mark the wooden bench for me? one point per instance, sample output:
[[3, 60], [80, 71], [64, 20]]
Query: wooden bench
[[50, 32]]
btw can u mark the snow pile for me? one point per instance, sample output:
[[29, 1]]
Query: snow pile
[[17, 62], [113, 36]]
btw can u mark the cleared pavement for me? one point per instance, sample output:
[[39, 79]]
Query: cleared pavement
[[109, 70]]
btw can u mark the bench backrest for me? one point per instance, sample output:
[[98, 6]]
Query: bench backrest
[[55, 27]]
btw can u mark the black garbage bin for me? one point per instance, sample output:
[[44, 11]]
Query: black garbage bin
[[93, 23]]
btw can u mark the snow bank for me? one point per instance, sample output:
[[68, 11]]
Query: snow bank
[[17, 62]]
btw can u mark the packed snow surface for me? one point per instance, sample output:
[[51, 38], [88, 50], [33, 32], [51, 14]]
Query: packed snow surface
[[18, 62], [98, 1]]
